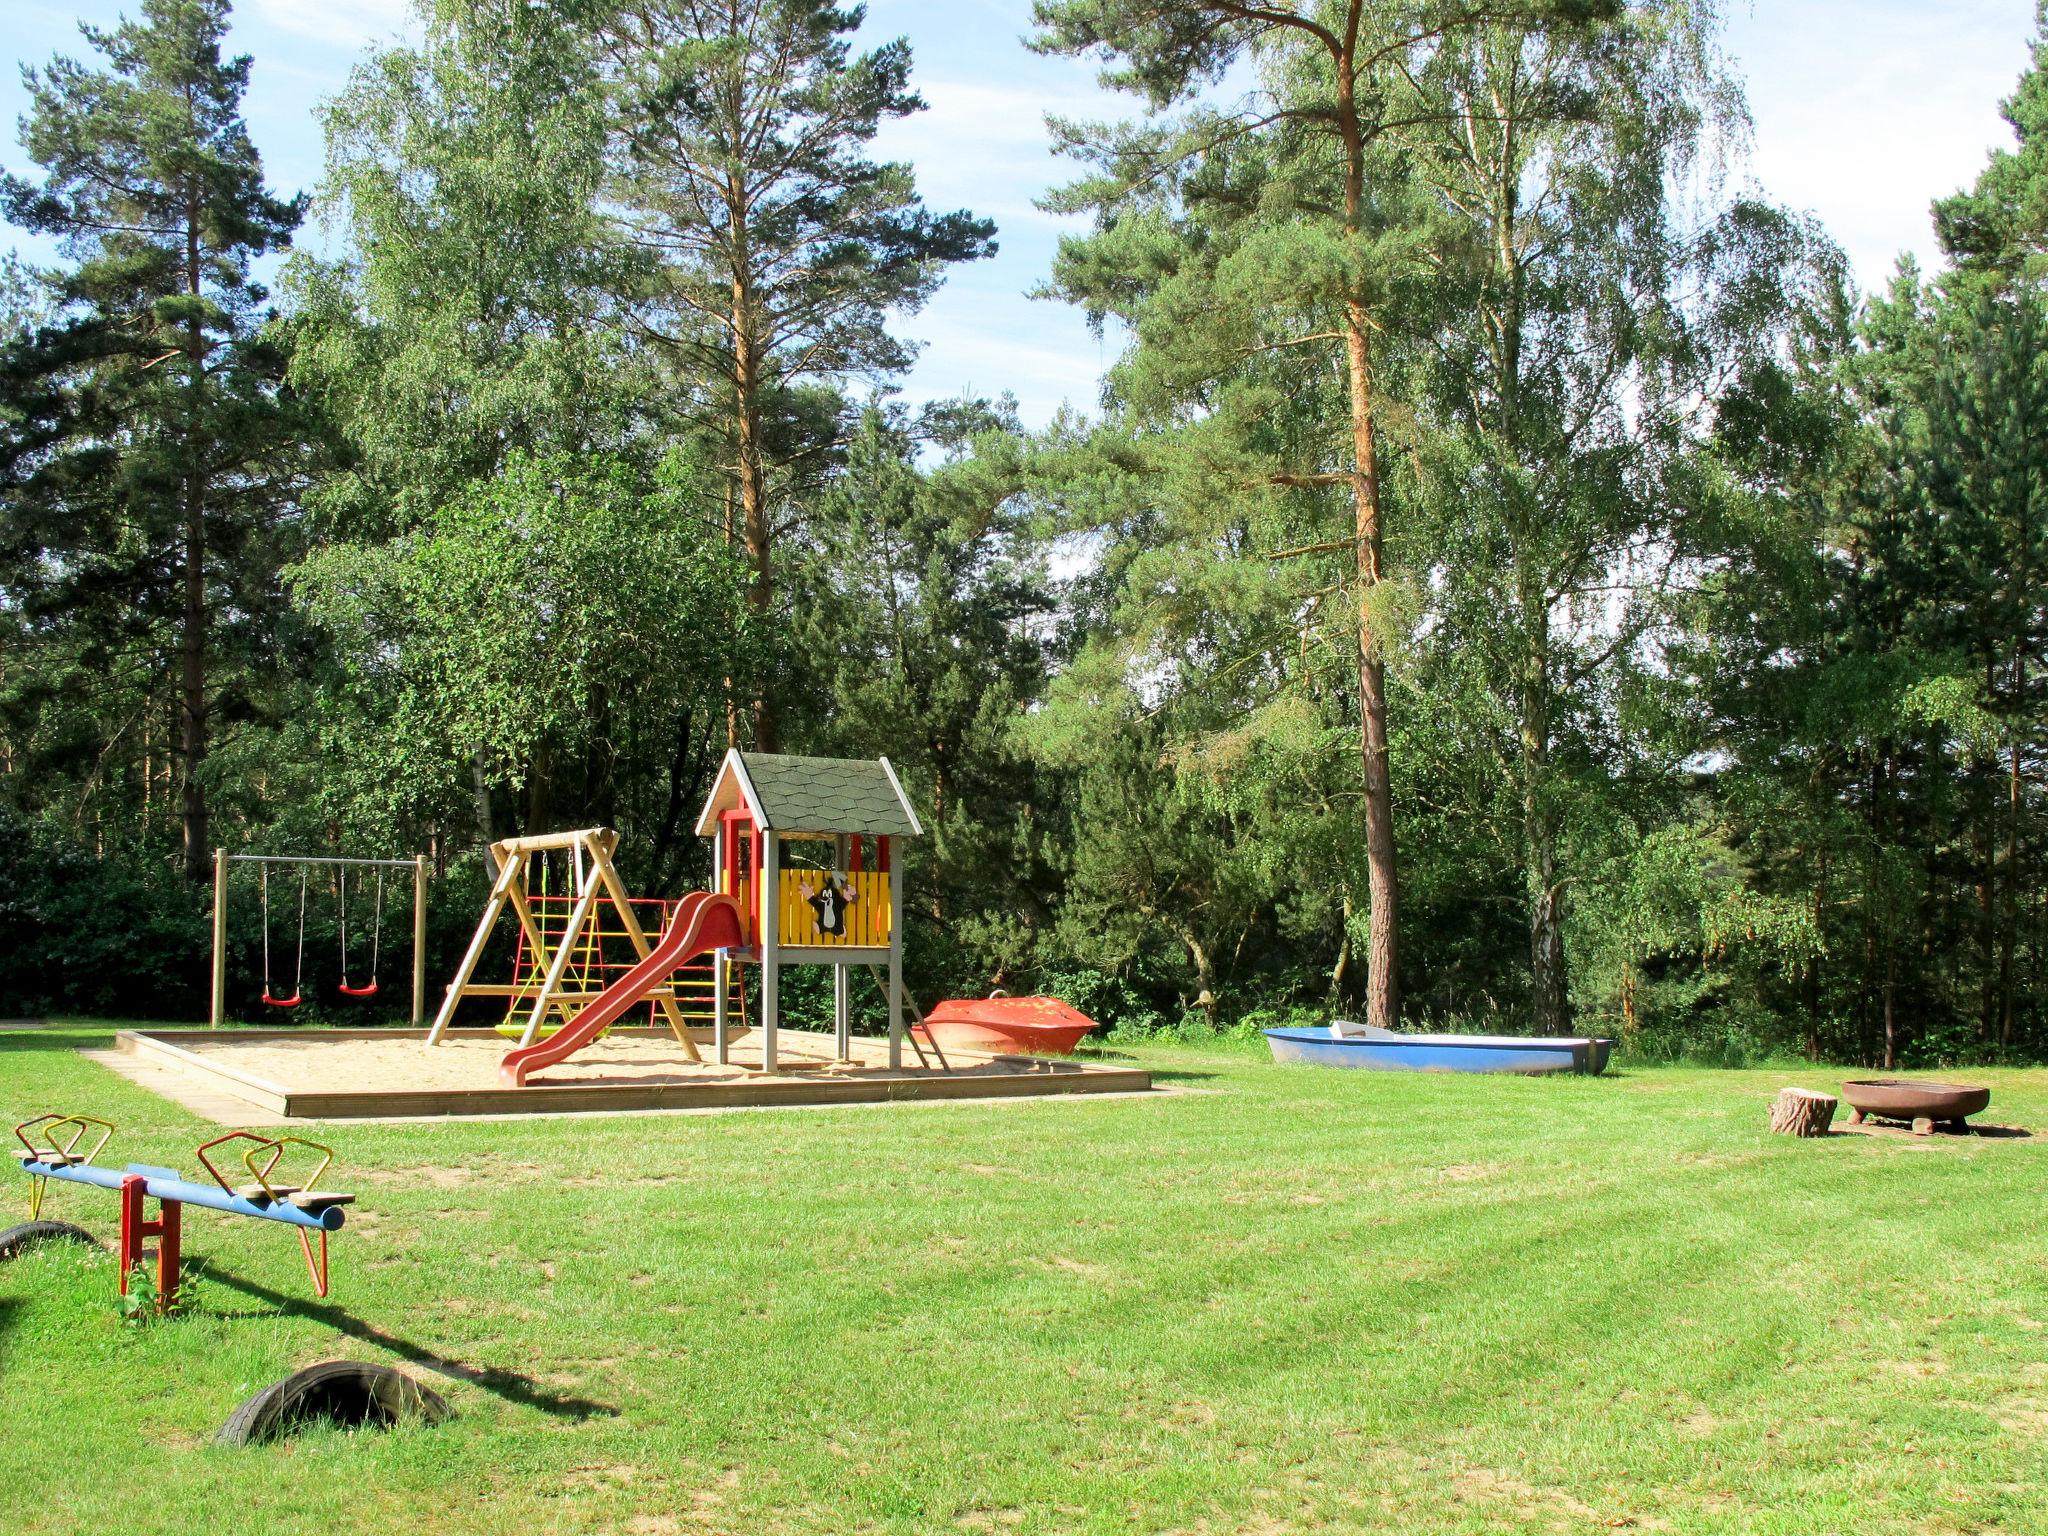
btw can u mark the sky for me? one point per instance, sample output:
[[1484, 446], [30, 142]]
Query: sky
[[1865, 111]]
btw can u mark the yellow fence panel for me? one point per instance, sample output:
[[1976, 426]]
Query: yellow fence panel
[[822, 908]]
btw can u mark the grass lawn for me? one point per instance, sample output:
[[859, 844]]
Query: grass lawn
[[1297, 1300]]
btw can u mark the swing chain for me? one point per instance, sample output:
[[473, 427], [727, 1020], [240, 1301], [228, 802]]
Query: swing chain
[[299, 970]]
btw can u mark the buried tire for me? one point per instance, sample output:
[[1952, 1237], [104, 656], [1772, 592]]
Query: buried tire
[[16, 1241], [351, 1393]]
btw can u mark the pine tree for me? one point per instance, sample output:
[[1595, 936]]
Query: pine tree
[[776, 250], [1279, 224], [1998, 230], [145, 444]]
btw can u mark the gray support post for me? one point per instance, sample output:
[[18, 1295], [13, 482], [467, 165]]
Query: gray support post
[[721, 1047], [771, 944], [842, 1012], [220, 938], [895, 953], [721, 1050], [842, 1015], [419, 938]]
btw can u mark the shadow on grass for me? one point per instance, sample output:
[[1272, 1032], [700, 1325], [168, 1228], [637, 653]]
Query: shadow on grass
[[1940, 1134], [510, 1386], [1178, 1075]]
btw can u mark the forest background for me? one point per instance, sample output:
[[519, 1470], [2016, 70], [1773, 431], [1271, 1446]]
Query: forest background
[[1511, 577]]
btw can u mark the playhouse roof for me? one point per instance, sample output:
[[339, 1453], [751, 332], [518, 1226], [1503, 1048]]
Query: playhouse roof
[[811, 794]]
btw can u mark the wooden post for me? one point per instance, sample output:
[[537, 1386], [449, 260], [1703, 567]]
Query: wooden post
[[894, 856], [664, 996], [220, 938], [419, 938], [771, 944], [842, 1011], [501, 888], [565, 951], [1802, 1112]]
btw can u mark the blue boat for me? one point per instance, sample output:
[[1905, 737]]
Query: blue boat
[[1380, 1050]]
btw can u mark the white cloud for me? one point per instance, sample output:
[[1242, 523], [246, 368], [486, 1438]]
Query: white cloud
[[1866, 112], [352, 24], [990, 343], [985, 146]]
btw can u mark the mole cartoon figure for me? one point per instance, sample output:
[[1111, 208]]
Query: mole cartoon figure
[[829, 901]]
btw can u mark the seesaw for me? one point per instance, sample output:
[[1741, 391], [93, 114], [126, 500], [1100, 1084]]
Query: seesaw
[[268, 1197]]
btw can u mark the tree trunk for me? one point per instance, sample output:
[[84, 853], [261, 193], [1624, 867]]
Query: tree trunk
[[192, 659], [1205, 971], [1810, 982], [192, 682], [749, 468], [1539, 828], [1383, 950], [480, 806], [2009, 927], [1343, 965], [732, 703], [1383, 975], [1891, 990]]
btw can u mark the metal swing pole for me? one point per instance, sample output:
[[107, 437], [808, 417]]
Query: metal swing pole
[[419, 938], [220, 939]]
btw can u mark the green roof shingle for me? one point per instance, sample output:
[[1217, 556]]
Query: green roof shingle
[[828, 794]]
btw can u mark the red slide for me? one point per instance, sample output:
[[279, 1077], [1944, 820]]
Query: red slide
[[701, 922]]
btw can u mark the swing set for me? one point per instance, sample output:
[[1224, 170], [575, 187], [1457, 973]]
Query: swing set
[[358, 870]]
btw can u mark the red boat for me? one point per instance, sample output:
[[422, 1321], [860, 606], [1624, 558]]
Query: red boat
[[1007, 1026]]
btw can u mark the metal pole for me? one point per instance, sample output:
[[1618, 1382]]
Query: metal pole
[[419, 938], [220, 938], [771, 943], [894, 853], [316, 858], [720, 1046]]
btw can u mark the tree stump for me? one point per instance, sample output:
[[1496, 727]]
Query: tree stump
[[1802, 1112]]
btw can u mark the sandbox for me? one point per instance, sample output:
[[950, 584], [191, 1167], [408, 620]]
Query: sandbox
[[374, 1074]]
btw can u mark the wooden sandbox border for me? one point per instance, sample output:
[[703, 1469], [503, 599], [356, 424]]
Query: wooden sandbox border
[[1039, 1078]]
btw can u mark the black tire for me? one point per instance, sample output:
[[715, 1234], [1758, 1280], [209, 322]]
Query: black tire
[[33, 1234], [351, 1393]]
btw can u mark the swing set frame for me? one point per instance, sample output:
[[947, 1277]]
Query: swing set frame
[[417, 864], [594, 878]]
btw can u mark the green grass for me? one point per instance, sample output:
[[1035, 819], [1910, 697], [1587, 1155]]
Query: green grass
[[1295, 1300]]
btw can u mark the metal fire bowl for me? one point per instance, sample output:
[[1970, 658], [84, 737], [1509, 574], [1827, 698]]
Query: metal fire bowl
[[1898, 1099]]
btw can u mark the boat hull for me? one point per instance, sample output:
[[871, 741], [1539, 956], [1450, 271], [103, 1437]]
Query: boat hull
[[1531, 1056], [1008, 1026]]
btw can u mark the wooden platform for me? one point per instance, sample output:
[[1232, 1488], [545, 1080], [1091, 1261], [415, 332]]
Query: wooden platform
[[386, 1073]]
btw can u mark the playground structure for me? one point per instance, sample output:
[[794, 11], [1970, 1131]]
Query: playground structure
[[269, 1196], [805, 871], [343, 870], [807, 848], [562, 954]]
